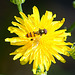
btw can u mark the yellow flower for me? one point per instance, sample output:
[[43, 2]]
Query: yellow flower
[[41, 40]]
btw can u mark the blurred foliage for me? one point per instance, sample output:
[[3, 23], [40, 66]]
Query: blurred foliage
[[71, 28], [72, 53], [74, 4]]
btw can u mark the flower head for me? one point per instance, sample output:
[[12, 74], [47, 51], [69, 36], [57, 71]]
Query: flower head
[[41, 40]]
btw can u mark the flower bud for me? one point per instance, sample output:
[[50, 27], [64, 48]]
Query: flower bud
[[17, 1]]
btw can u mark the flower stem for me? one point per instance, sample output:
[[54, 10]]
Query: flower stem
[[40, 73], [20, 7], [71, 28]]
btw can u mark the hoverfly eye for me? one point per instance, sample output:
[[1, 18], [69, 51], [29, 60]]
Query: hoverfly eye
[[45, 31]]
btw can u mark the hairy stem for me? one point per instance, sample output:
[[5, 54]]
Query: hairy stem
[[20, 7]]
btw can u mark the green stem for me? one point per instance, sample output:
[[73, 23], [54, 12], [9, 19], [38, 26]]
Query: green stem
[[71, 28], [20, 7], [40, 73]]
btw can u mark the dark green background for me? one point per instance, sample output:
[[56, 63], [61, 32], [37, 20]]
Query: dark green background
[[63, 8]]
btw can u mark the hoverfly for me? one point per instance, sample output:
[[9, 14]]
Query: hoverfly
[[34, 34]]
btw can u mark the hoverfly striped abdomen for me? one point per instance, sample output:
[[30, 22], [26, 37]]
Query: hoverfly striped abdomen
[[39, 32], [31, 34]]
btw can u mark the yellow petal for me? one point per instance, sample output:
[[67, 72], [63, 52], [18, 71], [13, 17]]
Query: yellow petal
[[17, 31], [57, 25], [36, 15], [19, 20], [17, 56], [20, 26], [26, 59], [23, 16], [16, 39]]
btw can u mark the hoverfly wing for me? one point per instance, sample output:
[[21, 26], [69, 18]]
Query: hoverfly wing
[[36, 42]]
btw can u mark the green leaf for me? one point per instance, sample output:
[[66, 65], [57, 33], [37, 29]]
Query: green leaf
[[74, 4], [71, 28]]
